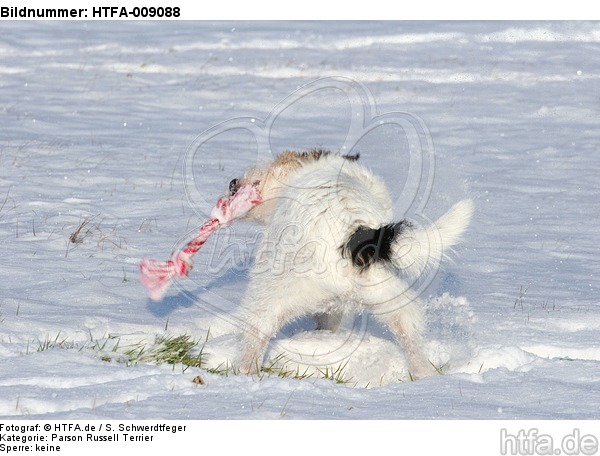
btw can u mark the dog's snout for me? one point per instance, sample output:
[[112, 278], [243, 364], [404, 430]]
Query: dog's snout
[[234, 186]]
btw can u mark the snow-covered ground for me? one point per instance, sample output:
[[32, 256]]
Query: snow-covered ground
[[99, 120]]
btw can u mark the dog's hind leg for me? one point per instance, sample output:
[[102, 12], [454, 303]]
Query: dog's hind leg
[[398, 307]]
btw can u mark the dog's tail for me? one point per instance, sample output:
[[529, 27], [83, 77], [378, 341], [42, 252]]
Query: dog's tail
[[410, 249], [416, 249]]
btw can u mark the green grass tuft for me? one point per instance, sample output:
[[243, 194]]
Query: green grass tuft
[[337, 374], [166, 349], [188, 352]]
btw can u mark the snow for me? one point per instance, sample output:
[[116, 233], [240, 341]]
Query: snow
[[136, 129]]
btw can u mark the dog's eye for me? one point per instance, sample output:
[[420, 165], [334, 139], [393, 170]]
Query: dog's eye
[[234, 186]]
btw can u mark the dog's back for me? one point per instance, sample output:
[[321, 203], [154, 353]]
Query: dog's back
[[322, 204]]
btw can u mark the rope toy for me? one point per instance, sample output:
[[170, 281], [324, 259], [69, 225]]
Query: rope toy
[[157, 276]]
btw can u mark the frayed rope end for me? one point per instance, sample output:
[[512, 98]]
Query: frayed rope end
[[158, 276]]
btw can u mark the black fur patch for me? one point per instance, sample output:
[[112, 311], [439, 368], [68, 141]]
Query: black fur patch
[[369, 245], [319, 152], [353, 157]]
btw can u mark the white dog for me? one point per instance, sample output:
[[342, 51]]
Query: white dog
[[330, 244]]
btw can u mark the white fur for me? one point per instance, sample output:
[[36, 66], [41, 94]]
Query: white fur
[[299, 268], [420, 249]]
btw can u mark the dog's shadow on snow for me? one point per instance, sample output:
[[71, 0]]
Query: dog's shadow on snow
[[190, 298]]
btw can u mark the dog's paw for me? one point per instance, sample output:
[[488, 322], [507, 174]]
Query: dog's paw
[[422, 370], [249, 366]]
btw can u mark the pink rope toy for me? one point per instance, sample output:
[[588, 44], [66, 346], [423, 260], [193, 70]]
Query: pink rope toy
[[157, 277]]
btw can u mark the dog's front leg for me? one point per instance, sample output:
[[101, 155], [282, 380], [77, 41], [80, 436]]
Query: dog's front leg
[[254, 344], [268, 305]]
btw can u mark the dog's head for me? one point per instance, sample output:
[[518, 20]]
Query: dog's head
[[272, 178]]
